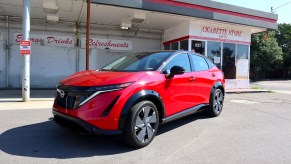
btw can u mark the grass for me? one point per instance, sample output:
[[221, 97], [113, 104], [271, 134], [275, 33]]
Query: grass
[[255, 87]]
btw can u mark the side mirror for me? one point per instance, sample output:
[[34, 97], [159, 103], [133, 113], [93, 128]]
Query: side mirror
[[176, 70]]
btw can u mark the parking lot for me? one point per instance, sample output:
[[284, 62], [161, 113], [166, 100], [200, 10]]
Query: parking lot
[[253, 128]]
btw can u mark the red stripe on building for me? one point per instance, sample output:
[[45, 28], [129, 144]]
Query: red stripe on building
[[206, 39], [204, 8]]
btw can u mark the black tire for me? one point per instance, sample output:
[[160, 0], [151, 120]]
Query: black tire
[[139, 132], [216, 103]]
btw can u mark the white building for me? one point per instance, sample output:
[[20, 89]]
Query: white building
[[220, 31]]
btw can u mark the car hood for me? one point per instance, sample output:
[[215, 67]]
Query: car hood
[[100, 78]]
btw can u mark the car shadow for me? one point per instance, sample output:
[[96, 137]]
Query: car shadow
[[47, 140], [181, 122]]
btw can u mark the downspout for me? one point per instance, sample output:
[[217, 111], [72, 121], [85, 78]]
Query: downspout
[[78, 45], [78, 36], [7, 49]]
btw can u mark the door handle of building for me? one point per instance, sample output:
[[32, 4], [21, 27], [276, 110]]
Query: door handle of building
[[213, 74], [192, 78]]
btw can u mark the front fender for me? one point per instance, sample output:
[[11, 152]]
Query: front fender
[[138, 96]]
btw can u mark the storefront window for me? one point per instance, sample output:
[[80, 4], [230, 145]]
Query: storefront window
[[214, 52], [242, 52], [198, 47], [174, 46], [242, 62], [228, 62], [184, 45], [167, 47]]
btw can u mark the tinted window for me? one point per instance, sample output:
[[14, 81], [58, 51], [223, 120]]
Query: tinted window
[[228, 62], [167, 47], [184, 45], [242, 52], [198, 46], [179, 60], [138, 62], [199, 63], [214, 52], [174, 46]]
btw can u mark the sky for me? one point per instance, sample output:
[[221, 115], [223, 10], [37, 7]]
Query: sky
[[284, 12]]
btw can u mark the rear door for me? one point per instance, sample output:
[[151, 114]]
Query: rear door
[[204, 78]]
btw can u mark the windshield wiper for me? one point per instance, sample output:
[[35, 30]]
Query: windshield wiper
[[113, 70]]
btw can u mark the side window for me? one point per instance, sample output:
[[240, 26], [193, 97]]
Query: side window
[[199, 62], [179, 60], [210, 63]]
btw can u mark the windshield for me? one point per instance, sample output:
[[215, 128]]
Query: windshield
[[138, 62]]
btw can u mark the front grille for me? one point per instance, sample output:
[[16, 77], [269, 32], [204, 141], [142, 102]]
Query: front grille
[[61, 101], [70, 98]]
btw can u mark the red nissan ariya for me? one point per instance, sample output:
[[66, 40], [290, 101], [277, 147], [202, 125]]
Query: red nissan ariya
[[135, 94]]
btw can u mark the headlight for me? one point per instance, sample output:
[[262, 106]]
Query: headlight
[[101, 89], [106, 88]]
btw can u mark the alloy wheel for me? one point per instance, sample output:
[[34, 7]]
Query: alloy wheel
[[145, 124], [218, 101]]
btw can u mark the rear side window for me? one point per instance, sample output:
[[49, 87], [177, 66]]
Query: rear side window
[[210, 63], [199, 62]]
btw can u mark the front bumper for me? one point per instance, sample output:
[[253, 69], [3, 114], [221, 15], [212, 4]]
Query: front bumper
[[80, 126]]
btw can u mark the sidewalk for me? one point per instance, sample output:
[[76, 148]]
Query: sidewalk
[[40, 99], [43, 99], [249, 90]]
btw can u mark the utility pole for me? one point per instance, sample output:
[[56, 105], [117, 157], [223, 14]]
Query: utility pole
[[88, 35], [26, 57]]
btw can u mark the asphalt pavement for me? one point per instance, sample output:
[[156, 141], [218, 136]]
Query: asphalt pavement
[[253, 128]]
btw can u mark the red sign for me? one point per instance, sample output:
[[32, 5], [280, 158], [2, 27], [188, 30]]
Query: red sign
[[25, 47], [24, 43]]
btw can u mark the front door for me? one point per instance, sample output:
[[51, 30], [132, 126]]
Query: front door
[[178, 90]]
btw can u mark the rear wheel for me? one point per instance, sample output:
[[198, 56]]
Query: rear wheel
[[216, 103], [142, 124]]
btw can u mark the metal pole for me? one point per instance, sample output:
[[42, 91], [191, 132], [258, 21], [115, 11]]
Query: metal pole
[[88, 35], [7, 48], [26, 58]]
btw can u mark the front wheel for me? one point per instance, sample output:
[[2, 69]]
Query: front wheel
[[141, 124], [216, 103]]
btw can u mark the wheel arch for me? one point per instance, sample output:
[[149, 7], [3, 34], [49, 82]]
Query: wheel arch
[[142, 95], [216, 85]]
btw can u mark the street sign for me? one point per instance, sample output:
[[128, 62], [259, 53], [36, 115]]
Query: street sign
[[25, 47]]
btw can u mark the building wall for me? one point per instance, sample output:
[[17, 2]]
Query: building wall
[[51, 63], [235, 64], [178, 31], [2, 63]]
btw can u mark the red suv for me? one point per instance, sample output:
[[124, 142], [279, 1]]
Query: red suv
[[135, 94]]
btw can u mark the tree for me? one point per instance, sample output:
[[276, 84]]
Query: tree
[[265, 53], [283, 35]]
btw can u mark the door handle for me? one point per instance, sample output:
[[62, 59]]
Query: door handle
[[213, 74], [192, 78]]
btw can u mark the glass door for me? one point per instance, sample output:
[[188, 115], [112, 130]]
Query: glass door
[[228, 62], [214, 52]]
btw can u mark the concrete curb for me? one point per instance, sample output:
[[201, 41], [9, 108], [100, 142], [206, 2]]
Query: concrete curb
[[237, 91]]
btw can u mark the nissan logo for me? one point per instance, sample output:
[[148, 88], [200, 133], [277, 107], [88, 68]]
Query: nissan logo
[[61, 92]]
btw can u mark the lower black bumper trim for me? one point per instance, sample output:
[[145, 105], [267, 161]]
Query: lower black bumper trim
[[80, 126]]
